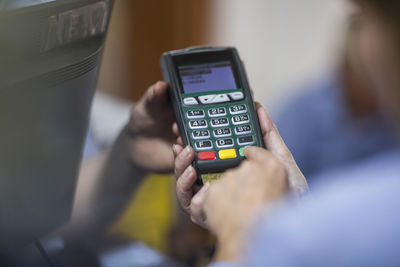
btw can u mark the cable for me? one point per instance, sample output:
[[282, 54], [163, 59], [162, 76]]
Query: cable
[[44, 254]]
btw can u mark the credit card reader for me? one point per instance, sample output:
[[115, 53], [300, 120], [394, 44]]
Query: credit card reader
[[213, 105]]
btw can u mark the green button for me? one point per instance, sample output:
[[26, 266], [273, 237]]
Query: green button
[[241, 152]]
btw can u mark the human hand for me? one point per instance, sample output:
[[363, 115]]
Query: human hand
[[192, 199], [275, 144], [189, 194], [233, 202], [149, 130]]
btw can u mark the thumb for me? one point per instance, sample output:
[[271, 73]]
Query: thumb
[[157, 94], [254, 153], [272, 139]]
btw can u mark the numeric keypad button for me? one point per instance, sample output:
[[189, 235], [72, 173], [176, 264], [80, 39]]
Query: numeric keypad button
[[201, 134], [242, 129], [238, 109], [203, 145], [198, 124], [222, 132], [224, 143], [221, 122], [195, 114], [245, 140], [240, 119], [216, 112]]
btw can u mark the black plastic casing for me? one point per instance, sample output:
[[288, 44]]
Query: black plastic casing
[[169, 64]]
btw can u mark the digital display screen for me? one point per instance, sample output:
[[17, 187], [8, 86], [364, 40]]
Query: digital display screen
[[207, 77]]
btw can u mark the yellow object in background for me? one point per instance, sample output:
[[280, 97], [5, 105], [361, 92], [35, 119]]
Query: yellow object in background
[[151, 213]]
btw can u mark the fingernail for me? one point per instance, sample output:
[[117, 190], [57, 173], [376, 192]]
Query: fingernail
[[187, 172], [174, 149]]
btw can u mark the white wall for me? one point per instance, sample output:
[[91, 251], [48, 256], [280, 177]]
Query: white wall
[[283, 43]]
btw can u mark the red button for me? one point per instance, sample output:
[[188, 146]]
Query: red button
[[206, 155]]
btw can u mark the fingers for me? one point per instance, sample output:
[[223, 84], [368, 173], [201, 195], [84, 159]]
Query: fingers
[[175, 129], [179, 141], [157, 93], [183, 160], [271, 136], [197, 206], [184, 186], [160, 89], [257, 154], [177, 149]]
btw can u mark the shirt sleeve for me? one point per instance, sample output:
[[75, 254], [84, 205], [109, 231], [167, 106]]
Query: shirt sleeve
[[350, 224]]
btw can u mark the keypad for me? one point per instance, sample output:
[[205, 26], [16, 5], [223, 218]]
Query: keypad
[[242, 129], [223, 143], [195, 114], [190, 101], [206, 155], [238, 109], [216, 112], [198, 124], [221, 122], [240, 119], [220, 132], [227, 154], [207, 99], [237, 95], [245, 140], [221, 98], [241, 151], [203, 145], [201, 134]]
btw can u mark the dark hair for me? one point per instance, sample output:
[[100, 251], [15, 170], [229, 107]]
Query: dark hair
[[389, 9]]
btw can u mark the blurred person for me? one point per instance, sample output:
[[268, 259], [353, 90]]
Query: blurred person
[[258, 211], [143, 146], [337, 121]]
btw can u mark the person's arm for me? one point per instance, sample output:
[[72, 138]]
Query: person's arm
[[106, 184]]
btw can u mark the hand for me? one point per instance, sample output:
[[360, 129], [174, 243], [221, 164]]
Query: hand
[[275, 144], [189, 194], [192, 201], [149, 130], [233, 202]]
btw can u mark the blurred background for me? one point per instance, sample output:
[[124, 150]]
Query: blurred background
[[282, 42]]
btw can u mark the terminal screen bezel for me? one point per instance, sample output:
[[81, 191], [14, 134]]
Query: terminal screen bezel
[[210, 57]]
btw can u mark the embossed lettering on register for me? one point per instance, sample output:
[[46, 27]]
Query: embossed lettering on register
[[75, 25]]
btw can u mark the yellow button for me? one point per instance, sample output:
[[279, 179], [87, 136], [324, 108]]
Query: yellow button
[[227, 154]]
